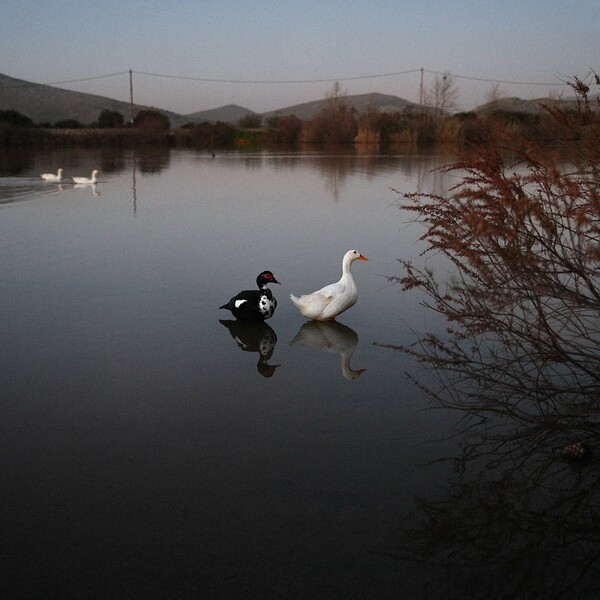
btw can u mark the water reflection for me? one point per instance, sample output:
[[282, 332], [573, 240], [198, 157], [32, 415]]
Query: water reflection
[[518, 512], [15, 189], [254, 337], [112, 161], [152, 158], [98, 306], [16, 161], [539, 536], [335, 168], [90, 186], [334, 337]]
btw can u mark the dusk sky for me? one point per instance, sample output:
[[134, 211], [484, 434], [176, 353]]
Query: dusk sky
[[269, 53]]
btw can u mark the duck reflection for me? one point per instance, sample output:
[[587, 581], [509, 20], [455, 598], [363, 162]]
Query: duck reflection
[[90, 186], [331, 336], [254, 337]]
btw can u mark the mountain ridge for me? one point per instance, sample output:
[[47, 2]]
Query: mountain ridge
[[44, 103], [48, 104]]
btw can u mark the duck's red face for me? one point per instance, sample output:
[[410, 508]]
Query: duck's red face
[[266, 277]]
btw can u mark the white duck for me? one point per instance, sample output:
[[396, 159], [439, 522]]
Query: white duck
[[332, 300], [52, 176], [87, 179]]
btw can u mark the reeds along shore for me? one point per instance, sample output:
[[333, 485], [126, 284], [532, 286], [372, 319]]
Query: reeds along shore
[[380, 130]]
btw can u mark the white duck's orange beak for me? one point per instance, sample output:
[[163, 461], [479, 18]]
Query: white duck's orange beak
[[361, 257]]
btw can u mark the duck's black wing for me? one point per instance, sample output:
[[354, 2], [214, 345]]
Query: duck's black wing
[[244, 306]]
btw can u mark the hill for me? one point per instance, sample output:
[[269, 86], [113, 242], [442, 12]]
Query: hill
[[361, 102], [231, 113], [305, 111], [44, 103], [518, 105], [47, 104]]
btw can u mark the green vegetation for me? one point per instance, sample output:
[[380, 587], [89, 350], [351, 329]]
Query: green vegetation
[[250, 122]]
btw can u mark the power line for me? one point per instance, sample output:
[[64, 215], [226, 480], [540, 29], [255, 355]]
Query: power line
[[289, 81], [88, 78], [357, 77], [30, 84], [506, 81], [328, 80], [276, 81]]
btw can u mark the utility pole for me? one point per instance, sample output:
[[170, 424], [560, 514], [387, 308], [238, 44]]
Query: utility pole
[[421, 95], [131, 97]]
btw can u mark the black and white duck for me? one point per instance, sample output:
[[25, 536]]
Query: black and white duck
[[254, 305]]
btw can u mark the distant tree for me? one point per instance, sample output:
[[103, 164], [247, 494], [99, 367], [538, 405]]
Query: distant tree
[[443, 94], [284, 130], [272, 122], [15, 118], [151, 120], [212, 135], [465, 116], [494, 94], [336, 94], [336, 122], [68, 124], [385, 124], [110, 119], [250, 121], [222, 134]]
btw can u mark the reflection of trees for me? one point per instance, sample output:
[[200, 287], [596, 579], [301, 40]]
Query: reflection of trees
[[521, 362], [508, 536], [112, 160], [152, 158], [16, 161], [518, 518], [337, 167]]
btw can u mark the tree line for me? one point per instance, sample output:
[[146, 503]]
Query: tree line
[[337, 122]]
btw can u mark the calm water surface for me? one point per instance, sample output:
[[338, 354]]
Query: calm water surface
[[149, 449]]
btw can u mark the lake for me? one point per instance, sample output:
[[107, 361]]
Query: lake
[[152, 447]]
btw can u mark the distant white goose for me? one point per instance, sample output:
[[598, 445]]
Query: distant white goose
[[332, 300], [52, 176], [87, 179]]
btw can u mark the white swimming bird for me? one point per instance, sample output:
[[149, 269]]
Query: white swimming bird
[[52, 176], [87, 179], [332, 300]]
